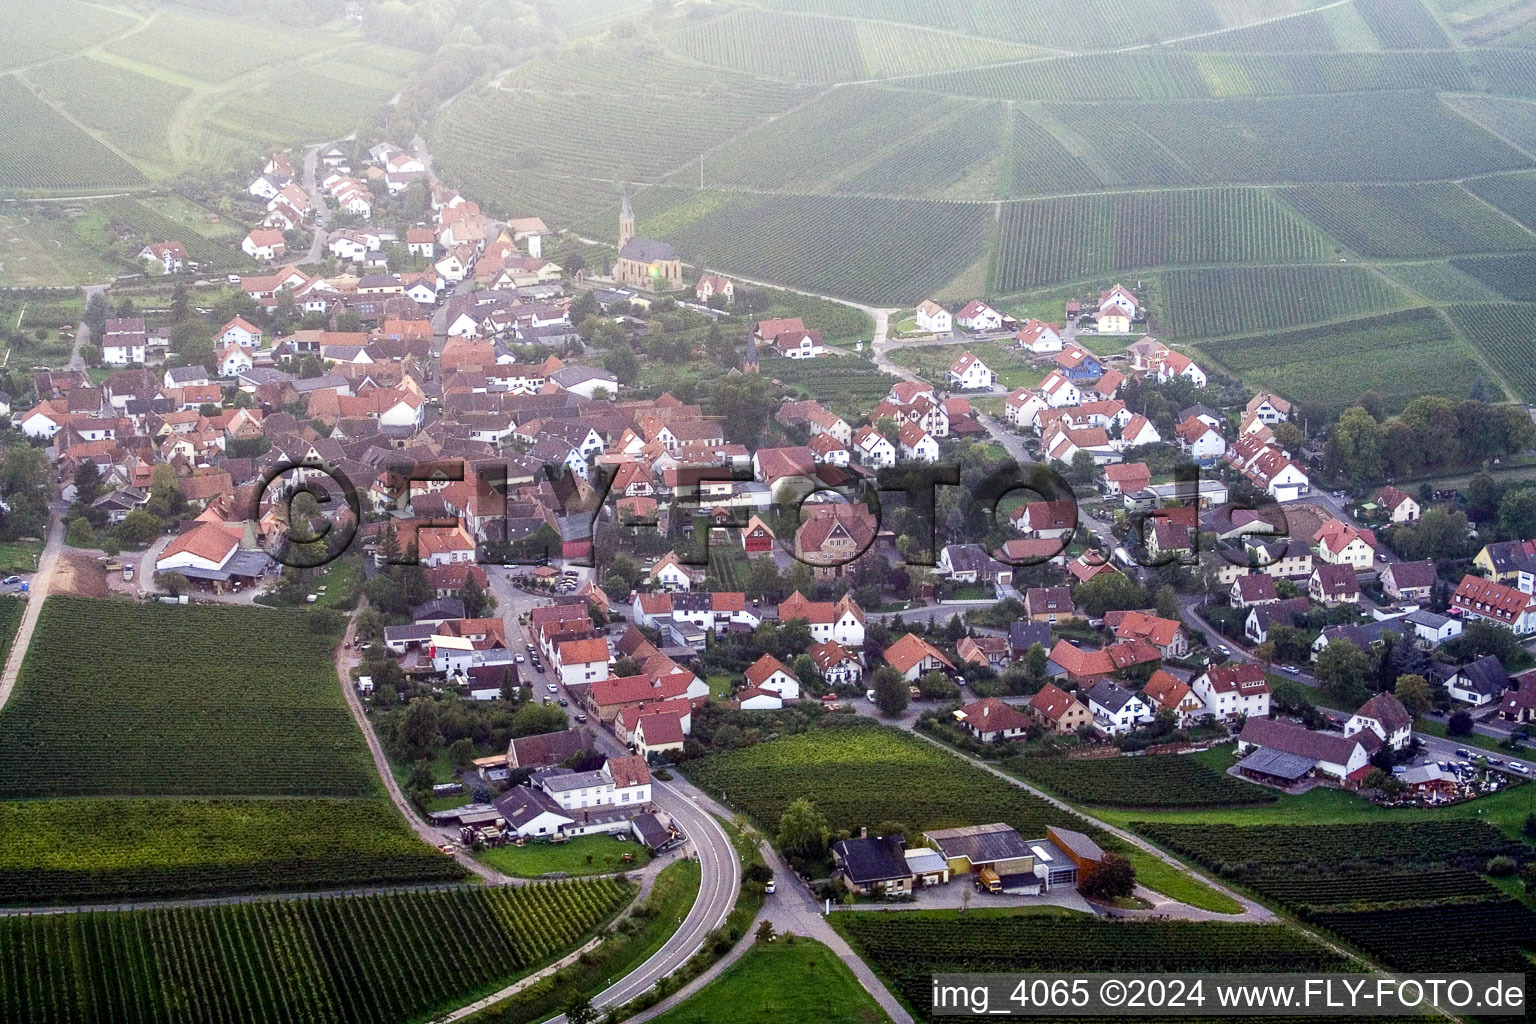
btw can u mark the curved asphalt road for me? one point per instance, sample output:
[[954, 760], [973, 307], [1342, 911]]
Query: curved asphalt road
[[720, 878]]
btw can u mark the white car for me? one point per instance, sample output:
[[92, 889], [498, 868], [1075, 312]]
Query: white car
[[1516, 766], [768, 887], [553, 688]]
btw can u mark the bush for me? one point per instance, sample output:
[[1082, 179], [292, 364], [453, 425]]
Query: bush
[[1459, 725], [1529, 828], [1500, 866]]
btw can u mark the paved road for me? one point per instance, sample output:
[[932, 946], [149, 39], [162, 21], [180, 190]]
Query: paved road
[[41, 584], [322, 212], [82, 332]]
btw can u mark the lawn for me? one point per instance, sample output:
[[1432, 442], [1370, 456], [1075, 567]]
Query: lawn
[[931, 362], [1160, 876], [802, 982], [20, 557], [719, 685], [584, 855]]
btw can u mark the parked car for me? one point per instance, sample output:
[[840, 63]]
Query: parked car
[[1223, 648], [869, 695], [520, 659], [1292, 669], [11, 581], [829, 696], [1516, 766], [1462, 752], [770, 886], [580, 717], [563, 702], [553, 688]]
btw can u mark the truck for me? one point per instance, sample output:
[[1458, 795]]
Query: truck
[[987, 880], [127, 570]]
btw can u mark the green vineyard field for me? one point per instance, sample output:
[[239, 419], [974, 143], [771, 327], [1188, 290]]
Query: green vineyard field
[[1515, 194], [1506, 335], [1407, 221], [818, 49], [1169, 780], [1507, 71], [86, 850], [238, 701], [1240, 300], [1038, 163], [365, 959], [1399, 355], [301, 104], [130, 110], [863, 776], [40, 149], [1515, 120], [908, 948], [1096, 235], [1320, 138], [876, 250], [1513, 277], [38, 30], [1176, 75], [685, 109], [1440, 282], [215, 49]]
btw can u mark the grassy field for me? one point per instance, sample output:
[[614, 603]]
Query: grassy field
[[931, 362], [848, 386], [584, 855], [360, 959], [200, 45], [802, 982], [38, 317]]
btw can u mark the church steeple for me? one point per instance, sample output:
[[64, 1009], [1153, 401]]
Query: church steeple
[[626, 220], [749, 361]]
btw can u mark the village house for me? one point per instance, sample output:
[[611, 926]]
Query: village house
[[1058, 711], [1409, 581], [933, 318], [1478, 598], [837, 665], [1116, 710], [1279, 753], [1232, 691], [978, 317], [842, 620], [1478, 683], [1039, 338], [1166, 692], [968, 373], [991, 719], [1384, 715], [1338, 543], [1334, 585], [768, 673], [912, 657]]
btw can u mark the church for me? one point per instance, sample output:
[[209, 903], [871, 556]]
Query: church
[[644, 262]]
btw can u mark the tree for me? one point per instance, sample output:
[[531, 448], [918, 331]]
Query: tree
[[139, 527], [1113, 878], [79, 533], [88, 485], [173, 583], [1036, 659], [1167, 602], [1110, 591], [461, 753], [1460, 724], [477, 602], [417, 733], [1415, 694], [935, 686], [1517, 514], [803, 830], [1355, 449], [1083, 467], [1342, 669], [580, 1011], [891, 693]]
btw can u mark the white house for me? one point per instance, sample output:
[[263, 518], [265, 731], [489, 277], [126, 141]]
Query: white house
[[933, 318], [1200, 441], [582, 661], [169, 255], [978, 316], [1039, 337], [1122, 298], [40, 422], [1116, 710], [873, 448], [668, 572], [837, 665], [841, 621], [239, 331], [970, 374], [768, 673], [917, 444], [233, 360], [1023, 407], [1233, 690], [1384, 715], [264, 244], [1060, 392]]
